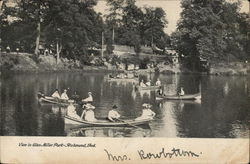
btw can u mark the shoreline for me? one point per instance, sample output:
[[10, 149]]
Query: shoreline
[[23, 63], [97, 69]]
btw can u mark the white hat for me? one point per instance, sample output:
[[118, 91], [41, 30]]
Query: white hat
[[70, 101], [144, 105]]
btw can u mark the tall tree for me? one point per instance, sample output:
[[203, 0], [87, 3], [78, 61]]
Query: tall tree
[[208, 29], [113, 19], [24, 24], [153, 24], [131, 21], [74, 26]]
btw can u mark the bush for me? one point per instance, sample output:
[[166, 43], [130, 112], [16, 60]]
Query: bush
[[8, 61], [144, 63], [35, 58]]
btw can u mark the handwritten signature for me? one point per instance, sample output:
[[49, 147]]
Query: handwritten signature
[[162, 154]]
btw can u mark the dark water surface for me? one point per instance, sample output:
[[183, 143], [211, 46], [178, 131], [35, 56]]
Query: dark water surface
[[223, 111]]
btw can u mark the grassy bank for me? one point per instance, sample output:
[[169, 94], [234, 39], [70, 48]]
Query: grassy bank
[[24, 62], [232, 68]]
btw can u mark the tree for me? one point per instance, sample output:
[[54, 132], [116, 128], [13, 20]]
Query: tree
[[131, 21], [113, 19], [153, 24], [74, 26], [208, 29]]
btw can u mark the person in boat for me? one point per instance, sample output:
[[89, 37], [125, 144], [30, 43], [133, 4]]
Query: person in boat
[[71, 110], [142, 84], [158, 82], [88, 113], [148, 83], [130, 75], [113, 115], [89, 98], [147, 113], [120, 76], [111, 76], [181, 93], [161, 91], [64, 95], [56, 94]]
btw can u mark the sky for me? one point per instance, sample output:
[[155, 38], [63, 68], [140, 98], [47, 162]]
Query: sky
[[171, 7]]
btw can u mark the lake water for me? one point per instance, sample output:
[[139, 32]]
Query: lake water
[[223, 111]]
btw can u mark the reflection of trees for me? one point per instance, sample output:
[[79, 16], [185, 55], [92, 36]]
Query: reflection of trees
[[52, 124], [110, 132], [218, 111]]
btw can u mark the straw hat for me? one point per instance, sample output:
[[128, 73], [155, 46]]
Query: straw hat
[[70, 101], [144, 105]]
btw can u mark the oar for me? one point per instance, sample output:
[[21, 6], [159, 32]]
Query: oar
[[128, 123]]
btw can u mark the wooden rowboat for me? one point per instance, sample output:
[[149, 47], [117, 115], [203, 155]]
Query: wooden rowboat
[[52, 100], [177, 97], [148, 87], [123, 79], [55, 101], [104, 122]]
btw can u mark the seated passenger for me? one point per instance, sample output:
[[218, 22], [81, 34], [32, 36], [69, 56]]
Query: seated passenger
[[56, 94], [88, 113], [160, 91], [147, 113], [130, 75], [142, 84], [148, 83], [88, 99], [181, 93], [158, 82], [64, 95], [71, 110], [113, 115]]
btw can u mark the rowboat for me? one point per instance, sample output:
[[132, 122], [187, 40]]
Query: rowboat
[[104, 122], [177, 97], [52, 100], [55, 101], [123, 79], [148, 87]]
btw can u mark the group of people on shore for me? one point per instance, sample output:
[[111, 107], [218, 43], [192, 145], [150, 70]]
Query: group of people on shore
[[149, 83]]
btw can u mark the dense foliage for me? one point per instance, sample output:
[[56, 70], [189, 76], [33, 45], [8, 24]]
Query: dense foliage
[[211, 30], [134, 26], [72, 24], [208, 29]]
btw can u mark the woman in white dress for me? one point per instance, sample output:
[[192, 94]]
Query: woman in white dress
[[71, 110], [147, 113], [88, 114]]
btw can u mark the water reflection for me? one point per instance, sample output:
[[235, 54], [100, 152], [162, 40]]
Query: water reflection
[[222, 112], [110, 132]]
